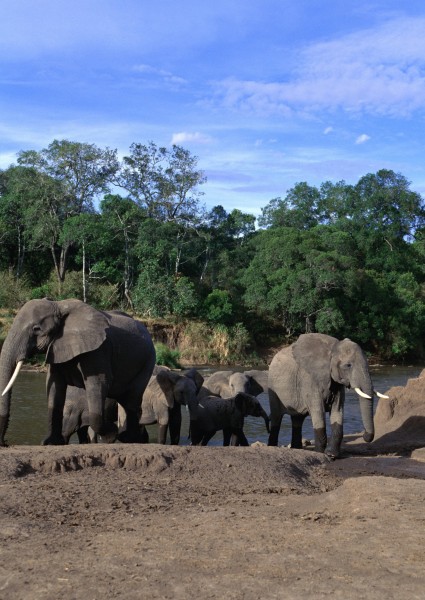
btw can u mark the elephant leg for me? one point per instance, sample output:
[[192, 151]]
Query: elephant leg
[[206, 437], [319, 427], [162, 434], [56, 392], [239, 435], [336, 418], [175, 424], [320, 439], [132, 434], [144, 435], [227, 437], [297, 428], [196, 434], [4, 422], [274, 431], [83, 435]]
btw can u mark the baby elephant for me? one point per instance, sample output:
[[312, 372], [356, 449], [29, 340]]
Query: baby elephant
[[76, 418], [164, 396], [212, 414]]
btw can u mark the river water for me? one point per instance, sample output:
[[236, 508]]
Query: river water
[[28, 409]]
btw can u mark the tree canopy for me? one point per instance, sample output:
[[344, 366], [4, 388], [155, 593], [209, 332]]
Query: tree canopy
[[343, 259]]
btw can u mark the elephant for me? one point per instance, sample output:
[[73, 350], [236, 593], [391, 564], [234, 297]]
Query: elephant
[[109, 354], [164, 396], [76, 418], [310, 377], [212, 414], [227, 384]]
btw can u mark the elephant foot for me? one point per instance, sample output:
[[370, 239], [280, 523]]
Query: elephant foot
[[331, 457], [368, 437], [108, 438], [127, 438], [54, 440], [274, 435]]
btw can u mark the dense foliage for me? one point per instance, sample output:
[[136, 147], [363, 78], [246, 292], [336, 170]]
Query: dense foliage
[[340, 259]]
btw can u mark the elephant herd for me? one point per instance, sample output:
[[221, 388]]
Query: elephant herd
[[102, 381], [165, 395]]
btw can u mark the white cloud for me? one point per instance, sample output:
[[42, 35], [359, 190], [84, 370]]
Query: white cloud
[[362, 138], [7, 159], [184, 137], [328, 130], [159, 73], [377, 71]]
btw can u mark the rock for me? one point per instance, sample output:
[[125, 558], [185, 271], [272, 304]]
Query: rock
[[401, 418]]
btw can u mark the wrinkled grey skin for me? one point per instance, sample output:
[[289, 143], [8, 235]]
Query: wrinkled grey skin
[[310, 377], [227, 384], [212, 414], [164, 396], [107, 354], [76, 418]]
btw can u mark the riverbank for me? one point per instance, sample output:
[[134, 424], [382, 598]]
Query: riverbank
[[135, 521], [161, 522]]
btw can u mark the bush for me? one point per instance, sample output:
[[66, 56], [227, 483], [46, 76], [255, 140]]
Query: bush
[[167, 357], [200, 343], [185, 302], [152, 294], [218, 307], [13, 292], [104, 296]]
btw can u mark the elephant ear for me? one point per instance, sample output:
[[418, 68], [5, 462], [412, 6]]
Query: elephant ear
[[313, 353], [196, 377], [254, 387], [259, 381], [83, 329], [167, 381]]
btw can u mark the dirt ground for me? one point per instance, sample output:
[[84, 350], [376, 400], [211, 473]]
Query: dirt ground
[[258, 523]]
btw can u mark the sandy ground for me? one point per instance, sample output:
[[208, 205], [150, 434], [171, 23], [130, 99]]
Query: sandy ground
[[150, 521]]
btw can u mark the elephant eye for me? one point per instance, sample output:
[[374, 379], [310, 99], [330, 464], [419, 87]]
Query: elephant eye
[[348, 365], [36, 329]]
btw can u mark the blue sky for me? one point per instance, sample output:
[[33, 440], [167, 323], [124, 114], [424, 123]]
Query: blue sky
[[266, 93]]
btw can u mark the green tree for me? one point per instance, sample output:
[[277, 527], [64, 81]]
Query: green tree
[[163, 182], [300, 208], [22, 191], [73, 175], [83, 231], [120, 223]]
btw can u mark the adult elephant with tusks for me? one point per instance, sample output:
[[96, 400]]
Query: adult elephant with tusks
[[310, 377], [109, 354]]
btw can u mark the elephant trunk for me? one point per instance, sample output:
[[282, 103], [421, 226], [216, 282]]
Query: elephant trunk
[[7, 367], [11, 360], [366, 411], [266, 419], [362, 384]]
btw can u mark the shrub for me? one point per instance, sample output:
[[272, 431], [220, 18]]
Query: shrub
[[152, 294], [167, 357], [13, 292], [218, 307], [185, 302], [200, 343]]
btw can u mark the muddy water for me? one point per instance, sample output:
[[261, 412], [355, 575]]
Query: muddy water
[[28, 413]]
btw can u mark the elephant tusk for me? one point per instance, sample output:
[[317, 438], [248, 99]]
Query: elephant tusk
[[14, 376], [382, 395], [362, 394]]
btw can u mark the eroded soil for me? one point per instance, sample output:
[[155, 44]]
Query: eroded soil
[[136, 521]]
